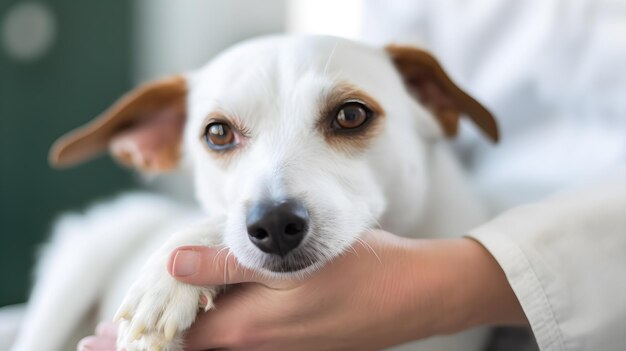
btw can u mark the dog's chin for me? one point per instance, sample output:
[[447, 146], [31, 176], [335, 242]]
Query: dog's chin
[[281, 266], [300, 260]]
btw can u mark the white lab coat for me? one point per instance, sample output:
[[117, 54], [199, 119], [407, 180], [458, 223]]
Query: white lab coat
[[554, 74]]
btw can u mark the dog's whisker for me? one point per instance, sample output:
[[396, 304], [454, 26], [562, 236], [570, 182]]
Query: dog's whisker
[[370, 248], [253, 275], [244, 273], [376, 222], [330, 57], [219, 252], [226, 267], [353, 250]]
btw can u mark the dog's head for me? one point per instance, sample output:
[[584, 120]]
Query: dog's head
[[299, 141]]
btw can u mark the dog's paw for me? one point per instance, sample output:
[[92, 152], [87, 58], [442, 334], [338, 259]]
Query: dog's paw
[[156, 310]]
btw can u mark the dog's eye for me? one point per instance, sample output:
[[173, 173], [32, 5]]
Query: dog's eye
[[219, 136], [352, 115]]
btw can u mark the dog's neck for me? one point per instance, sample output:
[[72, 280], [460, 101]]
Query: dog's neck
[[449, 208], [453, 206]]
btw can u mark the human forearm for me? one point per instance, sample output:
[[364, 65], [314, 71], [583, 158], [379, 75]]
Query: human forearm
[[466, 281]]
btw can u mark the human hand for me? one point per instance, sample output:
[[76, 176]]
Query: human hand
[[384, 291], [103, 340]]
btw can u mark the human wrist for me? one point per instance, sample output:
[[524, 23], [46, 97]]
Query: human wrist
[[421, 289], [435, 278], [409, 293], [475, 287]]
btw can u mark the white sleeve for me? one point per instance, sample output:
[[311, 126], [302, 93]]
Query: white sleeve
[[565, 259]]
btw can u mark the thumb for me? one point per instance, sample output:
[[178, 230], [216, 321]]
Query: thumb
[[201, 265]]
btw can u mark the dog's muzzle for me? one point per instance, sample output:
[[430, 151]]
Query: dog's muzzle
[[277, 227]]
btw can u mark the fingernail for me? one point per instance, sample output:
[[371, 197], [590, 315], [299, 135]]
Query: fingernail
[[185, 263]]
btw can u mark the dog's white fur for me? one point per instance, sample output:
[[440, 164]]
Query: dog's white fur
[[406, 182]]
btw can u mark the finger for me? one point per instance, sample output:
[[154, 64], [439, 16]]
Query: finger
[[107, 329], [201, 265], [223, 327], [96, 343]]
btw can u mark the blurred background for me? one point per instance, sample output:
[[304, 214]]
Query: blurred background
[[62, 62]]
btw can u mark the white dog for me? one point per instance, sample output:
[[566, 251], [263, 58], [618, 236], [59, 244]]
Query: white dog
[[296, 146]]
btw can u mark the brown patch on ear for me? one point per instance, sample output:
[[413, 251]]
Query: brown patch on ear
[[427, 80], [143, 129]]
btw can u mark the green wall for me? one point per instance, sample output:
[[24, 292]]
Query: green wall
[[88, 67]]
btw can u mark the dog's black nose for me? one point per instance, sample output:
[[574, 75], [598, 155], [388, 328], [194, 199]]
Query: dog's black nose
[[277, 227]]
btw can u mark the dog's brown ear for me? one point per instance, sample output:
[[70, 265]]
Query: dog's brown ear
[[143, 129], [427, 80]]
